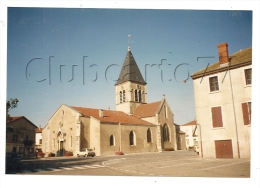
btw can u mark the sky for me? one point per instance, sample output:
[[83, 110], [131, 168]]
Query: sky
[[48, 47], [45, 50]]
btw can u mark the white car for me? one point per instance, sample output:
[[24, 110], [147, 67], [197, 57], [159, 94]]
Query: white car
[[196, 149], [85, 152]]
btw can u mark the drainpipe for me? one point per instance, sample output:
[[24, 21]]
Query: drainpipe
[[200, 140], [238, 151], [120, 137]]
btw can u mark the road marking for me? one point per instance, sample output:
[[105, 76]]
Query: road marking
[[78, 167], [223, 165], [87, 166], [53, 169], [177, 165], [65, 168], [98, 166]]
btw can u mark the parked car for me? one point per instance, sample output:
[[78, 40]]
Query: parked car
[[85, 152], [196, 149], [13, 161]]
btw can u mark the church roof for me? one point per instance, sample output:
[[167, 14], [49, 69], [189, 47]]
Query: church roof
[[130, 71], [190, 123], [111, 116], [147, 110]]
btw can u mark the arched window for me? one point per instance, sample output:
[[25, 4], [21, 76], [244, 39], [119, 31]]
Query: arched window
[[136, 96], [124, 96], [166, 136], [149, 135], [112, 140], [140, 95], [121, 97], [132, 138]]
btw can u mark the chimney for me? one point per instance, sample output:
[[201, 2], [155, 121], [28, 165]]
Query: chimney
[[223, 53], [101, 113]]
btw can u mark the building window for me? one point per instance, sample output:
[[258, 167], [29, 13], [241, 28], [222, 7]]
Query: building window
[[248, 76], [121, 97], [166, 136], [246, 109], [213, 83], [136, 96], [216, 117], [14, 149], [15, 138], [132, 138], [21, 150], [53, 143], [124, 96], [112, 140], [165, 111], [140, 95], [149, 135], [40, 141], [71, 141]]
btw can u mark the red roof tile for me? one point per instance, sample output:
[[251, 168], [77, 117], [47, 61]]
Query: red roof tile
[[181, 132], [147, 110], [38, 130], [111, 116], [15, 118], [190, 123]]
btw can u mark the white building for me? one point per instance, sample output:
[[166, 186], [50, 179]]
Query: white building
[[38, 137], [191, 135], [223, 104]]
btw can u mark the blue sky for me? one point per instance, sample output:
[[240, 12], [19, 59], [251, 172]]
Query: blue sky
[[47, 48]]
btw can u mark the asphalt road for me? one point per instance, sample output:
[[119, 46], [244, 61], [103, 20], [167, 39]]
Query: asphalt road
[[165, 164]]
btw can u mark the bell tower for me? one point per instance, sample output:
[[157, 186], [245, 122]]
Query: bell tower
[[130, 86]]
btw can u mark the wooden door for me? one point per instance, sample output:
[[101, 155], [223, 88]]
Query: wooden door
[[223, 149]]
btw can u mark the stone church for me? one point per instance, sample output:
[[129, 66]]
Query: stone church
[[134, 127]]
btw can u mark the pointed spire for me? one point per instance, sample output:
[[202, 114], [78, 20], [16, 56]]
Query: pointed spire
[[130, 70]]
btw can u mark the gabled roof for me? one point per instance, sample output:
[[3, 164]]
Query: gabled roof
[[130, 71], [111, 116], [147, 110], [15, 118], [238, 59], [190, 123]]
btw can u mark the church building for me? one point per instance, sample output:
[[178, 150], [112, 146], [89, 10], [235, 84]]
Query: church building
[[134, 127]]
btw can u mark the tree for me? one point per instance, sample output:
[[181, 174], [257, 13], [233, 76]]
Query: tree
[[12, 103]]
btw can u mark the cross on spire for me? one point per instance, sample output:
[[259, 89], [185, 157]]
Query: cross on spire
[[129, 42]]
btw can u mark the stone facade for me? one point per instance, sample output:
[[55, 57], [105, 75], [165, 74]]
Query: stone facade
[[22, 139], [135, 127]]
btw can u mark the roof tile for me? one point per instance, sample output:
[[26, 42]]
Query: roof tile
[[147, 110], [111, 116]]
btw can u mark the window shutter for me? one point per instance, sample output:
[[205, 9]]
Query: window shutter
[[216, 117], [245, 113]]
